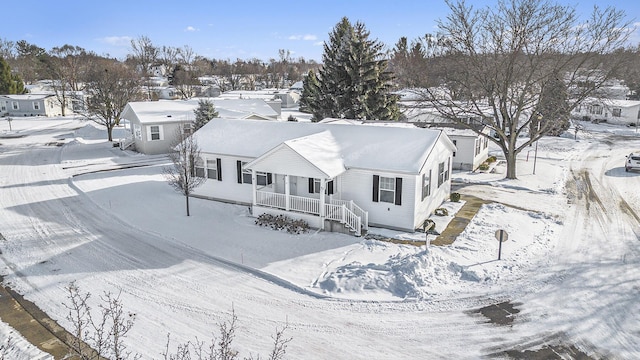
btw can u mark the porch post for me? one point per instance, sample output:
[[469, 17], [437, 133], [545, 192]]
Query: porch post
[[287, 193], [323, 185], [254, 188]]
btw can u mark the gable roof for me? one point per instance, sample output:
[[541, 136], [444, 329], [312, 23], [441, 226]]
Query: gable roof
[[27, 96], [320, 151], [168, 111], [386, 148]]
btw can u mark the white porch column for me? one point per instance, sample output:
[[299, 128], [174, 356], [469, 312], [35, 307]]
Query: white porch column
[[287, 193], [323, 185], [254, 188]]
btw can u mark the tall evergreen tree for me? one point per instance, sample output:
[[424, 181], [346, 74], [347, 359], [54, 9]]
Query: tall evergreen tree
[[310, 91], [354, 82], [553, 108], [9, 83], [206, 111]]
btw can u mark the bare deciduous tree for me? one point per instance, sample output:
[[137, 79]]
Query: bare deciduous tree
[[183, 176], [102, 336], [145, 54], [221, 348], [499, 58], [110, 86]]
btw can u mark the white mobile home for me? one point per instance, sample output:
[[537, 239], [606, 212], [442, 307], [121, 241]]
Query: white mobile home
[[620, 112], [31, 105], [327, 174], [472, 149]]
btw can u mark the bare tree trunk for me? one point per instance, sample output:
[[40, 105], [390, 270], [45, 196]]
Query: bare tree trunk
[[110, 132], [511, 165], [187, 198]]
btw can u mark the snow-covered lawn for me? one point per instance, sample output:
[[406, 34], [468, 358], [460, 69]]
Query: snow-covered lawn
[[91, 213]]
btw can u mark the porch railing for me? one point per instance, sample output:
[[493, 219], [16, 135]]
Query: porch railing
[[343, 211]]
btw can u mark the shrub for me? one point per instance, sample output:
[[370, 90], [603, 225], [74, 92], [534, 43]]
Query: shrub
[[282, 222], [483, 167], [292, 118], [455, 197], [491, 159], [441, 212]]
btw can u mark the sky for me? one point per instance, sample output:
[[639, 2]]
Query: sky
[[228, 29], [81, 212]]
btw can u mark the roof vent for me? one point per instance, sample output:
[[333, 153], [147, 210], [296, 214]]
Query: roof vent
[[168, 115]]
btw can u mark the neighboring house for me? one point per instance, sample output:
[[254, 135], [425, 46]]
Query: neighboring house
[[155, 125], [472, 149], [334, 176], [31, 105], [621, 112], [281, 98]]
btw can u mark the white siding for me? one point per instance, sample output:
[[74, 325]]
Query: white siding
[[424, 208], [357, 185], [228, 189]]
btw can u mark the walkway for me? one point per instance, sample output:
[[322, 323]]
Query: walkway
[[33, 324], [459, 222]]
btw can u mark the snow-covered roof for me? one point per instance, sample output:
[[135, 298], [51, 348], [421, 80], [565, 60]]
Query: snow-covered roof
[[27, 96], [182, 110], [396, 149], [613, 102], [320, 149]]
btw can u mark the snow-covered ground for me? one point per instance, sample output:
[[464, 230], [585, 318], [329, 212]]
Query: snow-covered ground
[[73, 208]]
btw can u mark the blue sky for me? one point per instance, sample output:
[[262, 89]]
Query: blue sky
[[228, 29]]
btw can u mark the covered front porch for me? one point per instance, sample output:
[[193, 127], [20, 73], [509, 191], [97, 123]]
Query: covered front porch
[[345, 212], [300, 178]]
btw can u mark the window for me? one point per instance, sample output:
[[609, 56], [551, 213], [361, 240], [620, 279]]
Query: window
[[426, 184], [443, 172], [617, 112], [314, 186], [386, 189], [212, 169], [478, 143], [15, 105], [155, 132], [244, 175], [596, 109], [198, 168], [187, 129], [36, 105]]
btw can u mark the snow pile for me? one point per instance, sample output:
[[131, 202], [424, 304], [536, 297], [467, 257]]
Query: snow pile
[[388, 271]]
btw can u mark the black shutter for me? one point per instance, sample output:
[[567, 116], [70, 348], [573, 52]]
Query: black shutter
[[330, 187], [376, 187], [219, 168], [269, 178], [239, 167], [398, 191], [310, 185]]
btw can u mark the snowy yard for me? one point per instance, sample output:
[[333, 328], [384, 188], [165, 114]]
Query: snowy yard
[[73, 208]]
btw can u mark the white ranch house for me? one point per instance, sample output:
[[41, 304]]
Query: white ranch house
[[335, 176], [613, 111], [154, 125]]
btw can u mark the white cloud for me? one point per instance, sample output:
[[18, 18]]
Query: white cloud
[[307, 37], [318, 43], [190, 29], [116, 40]]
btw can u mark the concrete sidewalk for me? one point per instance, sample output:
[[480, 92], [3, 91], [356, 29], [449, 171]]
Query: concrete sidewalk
[[33, 324]]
